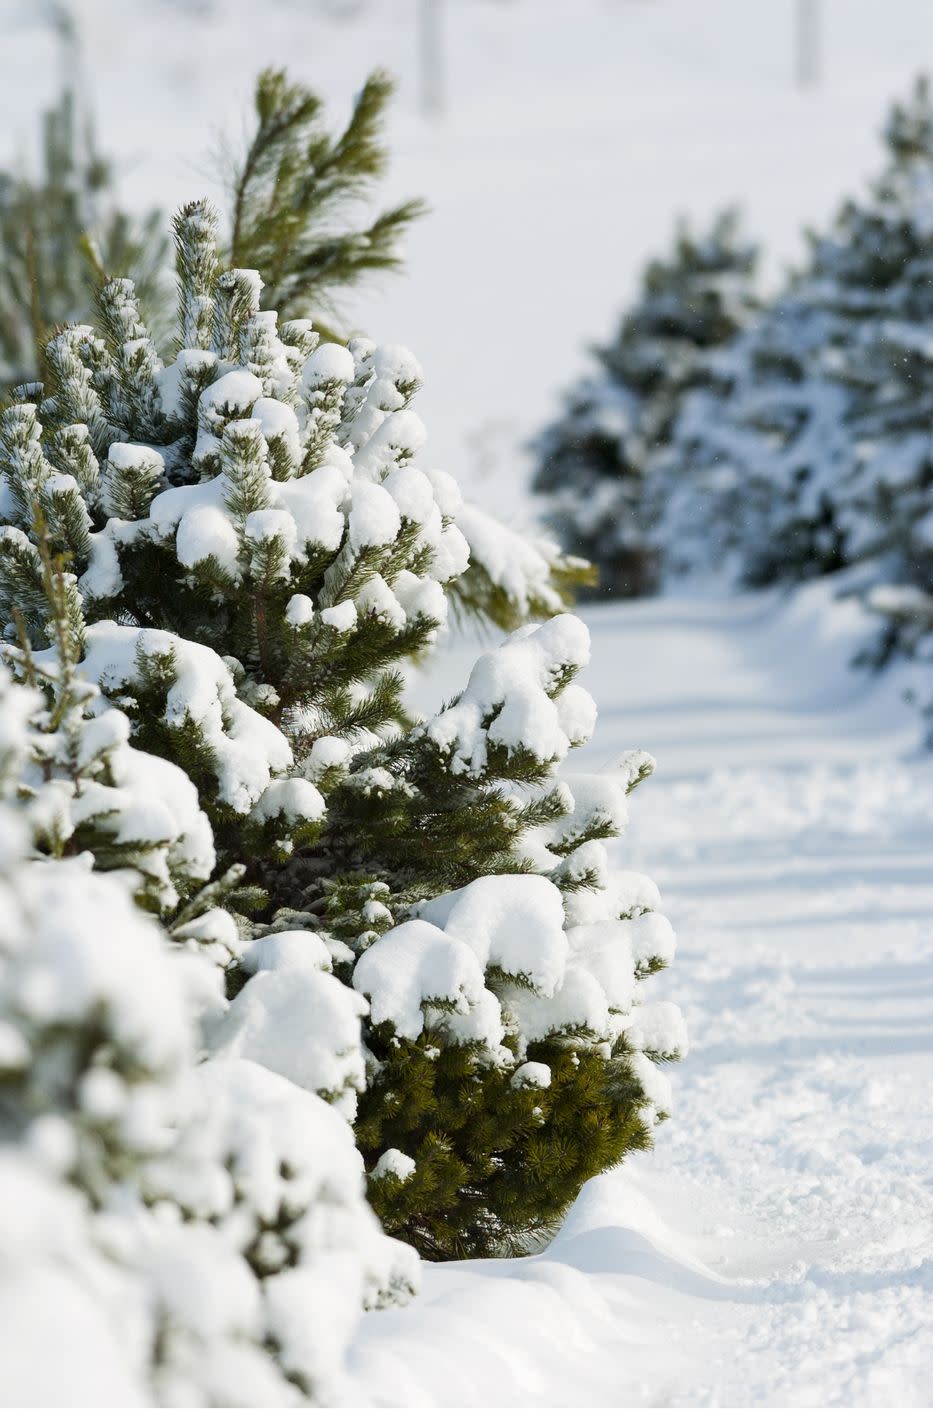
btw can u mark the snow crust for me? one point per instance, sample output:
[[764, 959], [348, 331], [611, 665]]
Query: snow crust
[[520, 563], [512, 923], [231, 397], [496, 958], [416, 966]]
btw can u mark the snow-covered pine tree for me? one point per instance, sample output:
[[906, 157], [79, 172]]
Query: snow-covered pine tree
[[746, 483], [87, 790], [882, 251], [818, 455], [255, 553], [183, 1231], [596, 461], [291, 194], [512, 1055]]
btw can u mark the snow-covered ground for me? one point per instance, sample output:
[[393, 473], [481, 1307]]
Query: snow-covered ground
[[777, 1246]]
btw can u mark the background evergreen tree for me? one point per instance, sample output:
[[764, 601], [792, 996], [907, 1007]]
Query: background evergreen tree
[[57, 232], [817, 455], [596, 462], [883, 252], [254, 552], [746, 486]]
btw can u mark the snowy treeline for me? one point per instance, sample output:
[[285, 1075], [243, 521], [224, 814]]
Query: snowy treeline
[[770, 446]]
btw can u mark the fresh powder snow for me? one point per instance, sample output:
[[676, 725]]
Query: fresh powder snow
[[774, 1247]]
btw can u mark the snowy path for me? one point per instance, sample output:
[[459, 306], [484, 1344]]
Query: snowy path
[[777, 1247]]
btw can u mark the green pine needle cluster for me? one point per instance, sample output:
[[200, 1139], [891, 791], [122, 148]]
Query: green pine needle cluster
[[292, 191]]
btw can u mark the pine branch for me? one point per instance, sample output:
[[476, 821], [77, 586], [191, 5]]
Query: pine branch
[[291, 192]]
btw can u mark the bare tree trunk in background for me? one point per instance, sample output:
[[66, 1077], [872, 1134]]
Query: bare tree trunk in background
[[431, 47], [807, 41]]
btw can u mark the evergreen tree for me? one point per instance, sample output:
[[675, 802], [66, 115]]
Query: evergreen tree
[[818, 454], [292, 192], [596, 462], [882, 252], [254, 553], [85, 782], [56, 232], [747, 482]]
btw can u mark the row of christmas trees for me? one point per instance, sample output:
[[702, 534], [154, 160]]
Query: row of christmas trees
[[770, 442], [279, 962]]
